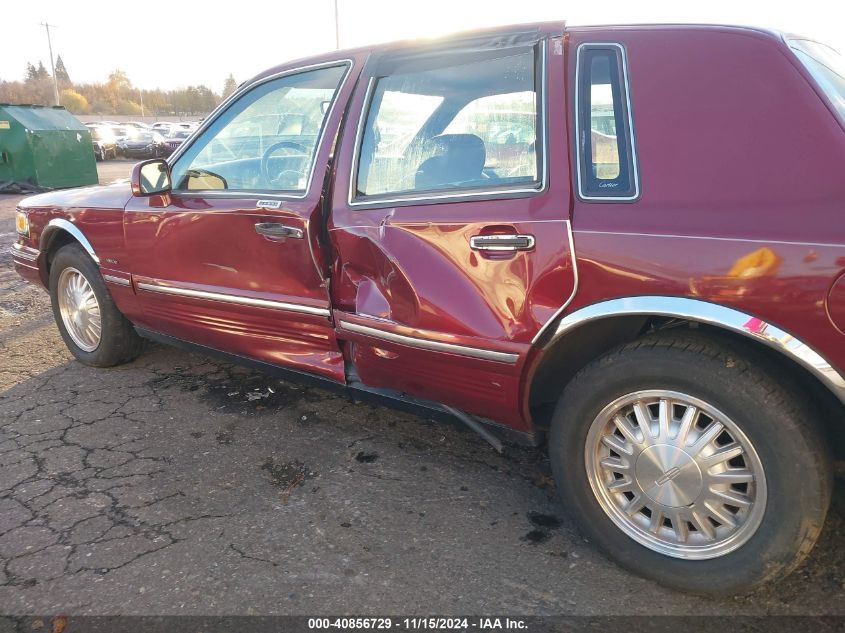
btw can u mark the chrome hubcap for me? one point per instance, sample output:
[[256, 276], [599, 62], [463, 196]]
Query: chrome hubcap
[[668, 475], [675, 474], [79, 309]]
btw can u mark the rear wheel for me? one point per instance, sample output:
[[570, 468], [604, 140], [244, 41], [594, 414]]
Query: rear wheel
[[92, 327], [690, 465]]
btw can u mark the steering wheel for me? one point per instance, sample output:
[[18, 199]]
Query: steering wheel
[[265, 160]]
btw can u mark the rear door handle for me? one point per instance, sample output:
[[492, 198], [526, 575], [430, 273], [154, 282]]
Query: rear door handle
[[502, 242], [274, 229]]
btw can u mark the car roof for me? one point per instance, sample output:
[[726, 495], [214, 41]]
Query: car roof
[[544, 29]]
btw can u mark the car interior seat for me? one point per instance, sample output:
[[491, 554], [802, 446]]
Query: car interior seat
[[457, 159]]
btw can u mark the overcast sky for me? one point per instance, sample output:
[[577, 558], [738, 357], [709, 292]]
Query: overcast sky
[[178, 43]]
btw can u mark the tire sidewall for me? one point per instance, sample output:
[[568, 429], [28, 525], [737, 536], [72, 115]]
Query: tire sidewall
[[74, 256], [792, 485]]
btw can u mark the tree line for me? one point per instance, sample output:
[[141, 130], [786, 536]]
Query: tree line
[[117, 95]]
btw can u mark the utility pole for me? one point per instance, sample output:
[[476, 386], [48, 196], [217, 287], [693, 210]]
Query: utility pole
[[141, 94], [52, 65], [336, 27]]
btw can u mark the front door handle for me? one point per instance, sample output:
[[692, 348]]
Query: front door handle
[[501, 242], [274, 229]]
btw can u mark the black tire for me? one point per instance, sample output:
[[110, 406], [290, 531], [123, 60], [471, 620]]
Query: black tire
[[782, 428], [119, 343]]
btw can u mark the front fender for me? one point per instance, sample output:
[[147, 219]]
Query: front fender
[[57, 225]]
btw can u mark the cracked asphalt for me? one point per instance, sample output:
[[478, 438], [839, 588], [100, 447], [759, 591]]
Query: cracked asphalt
[[180, 485]]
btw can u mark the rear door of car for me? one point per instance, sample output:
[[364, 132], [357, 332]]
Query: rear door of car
[[230, 259], [450, 218]]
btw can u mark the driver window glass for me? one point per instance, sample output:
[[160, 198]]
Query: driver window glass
[[266, 140]]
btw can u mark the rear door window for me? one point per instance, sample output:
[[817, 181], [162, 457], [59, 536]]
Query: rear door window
[[454, 123], [507, 123]]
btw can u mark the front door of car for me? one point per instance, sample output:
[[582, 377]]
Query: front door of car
[[230, 259], [450, 220]]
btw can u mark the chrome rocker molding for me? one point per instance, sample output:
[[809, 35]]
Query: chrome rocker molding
[[383, 397], [712, 314], [58, 223], [437, 346], [249, 301]]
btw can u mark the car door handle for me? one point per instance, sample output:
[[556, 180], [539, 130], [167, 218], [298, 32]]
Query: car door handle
[[502, 242], [274, 229]]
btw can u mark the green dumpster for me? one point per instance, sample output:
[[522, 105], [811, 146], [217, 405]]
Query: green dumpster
[[43, 148]]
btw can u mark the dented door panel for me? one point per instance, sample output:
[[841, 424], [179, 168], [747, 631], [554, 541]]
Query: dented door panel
[[426, 276]]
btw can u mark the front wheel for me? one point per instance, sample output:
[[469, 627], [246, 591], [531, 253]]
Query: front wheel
[[92, 327], [690, 465]]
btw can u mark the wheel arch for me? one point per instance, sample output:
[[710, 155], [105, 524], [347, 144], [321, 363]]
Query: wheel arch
[[587, 333], [60, 232]]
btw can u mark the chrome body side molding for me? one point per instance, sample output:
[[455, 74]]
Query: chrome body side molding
[[428, 344], [227, 298], [120, 281], [59, 223], [711, 314]]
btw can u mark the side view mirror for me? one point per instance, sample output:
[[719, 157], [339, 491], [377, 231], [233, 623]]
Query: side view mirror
[[151, 177]]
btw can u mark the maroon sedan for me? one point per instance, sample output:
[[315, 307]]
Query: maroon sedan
[[627, 242]]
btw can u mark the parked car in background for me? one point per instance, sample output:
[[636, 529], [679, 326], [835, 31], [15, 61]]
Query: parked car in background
[[122, 133], [163, 127], [145, 144], [176, 139], [124, 130], [584, 236], [104, 142]]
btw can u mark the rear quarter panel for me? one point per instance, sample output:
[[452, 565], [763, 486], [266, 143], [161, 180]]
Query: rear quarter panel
[[741, 168]]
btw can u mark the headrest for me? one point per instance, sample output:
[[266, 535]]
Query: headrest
[[455, 158]]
